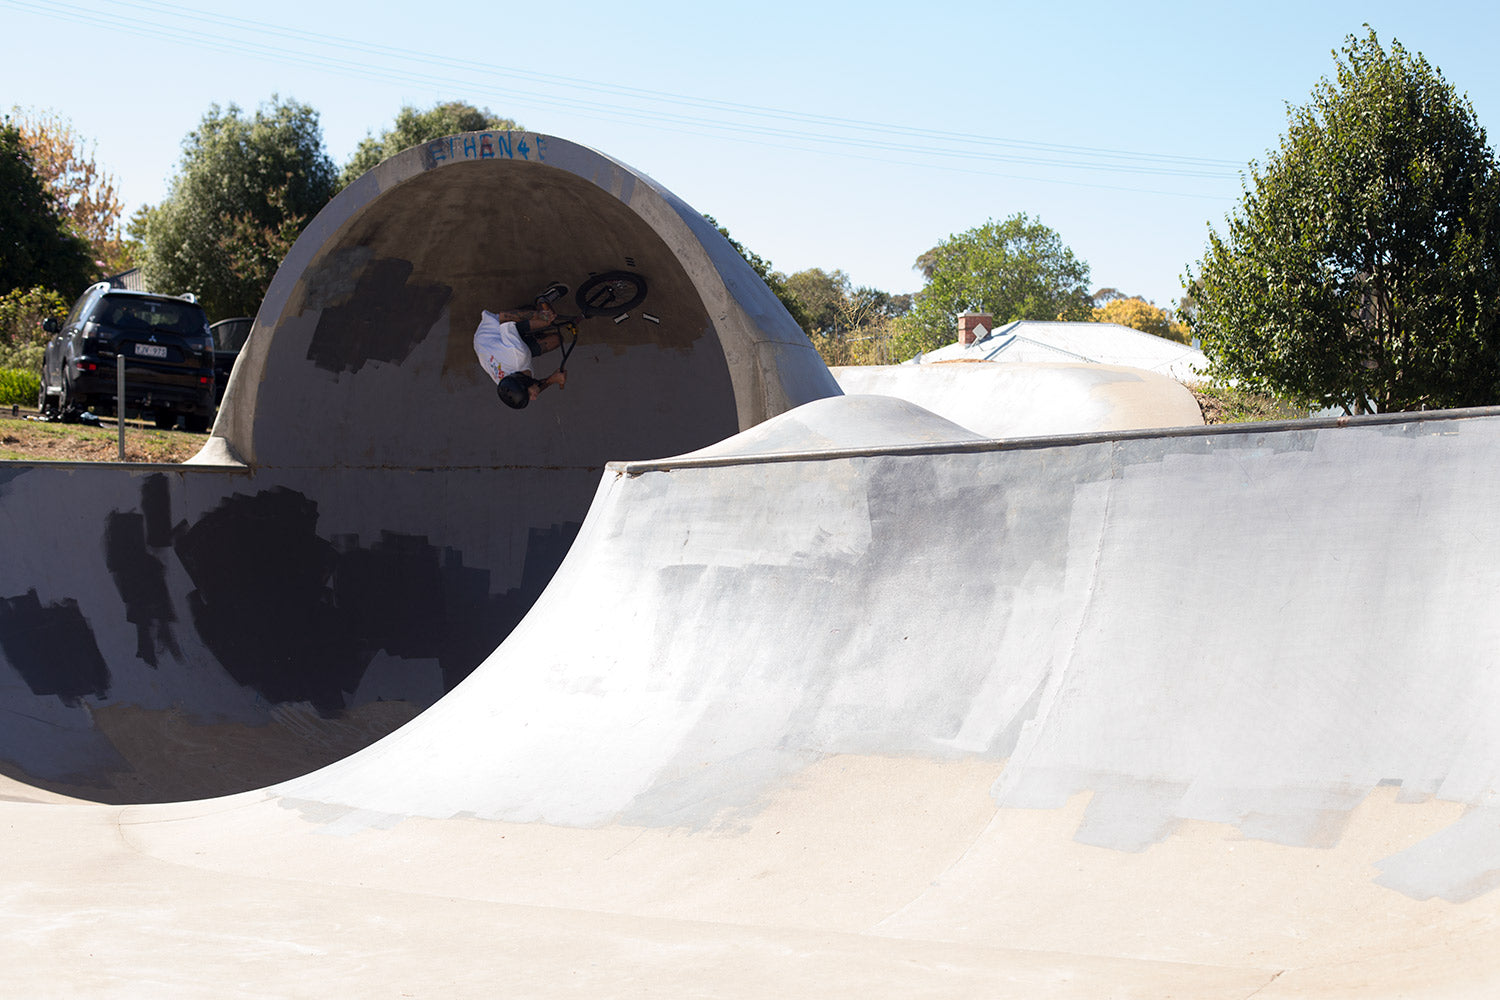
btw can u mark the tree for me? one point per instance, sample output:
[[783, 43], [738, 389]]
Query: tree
[[1015, 269], [245, 189], [84, 191], [775, 280], [1362, 267], [822, 295], [415, 127], [37, 248], [1138, 314]]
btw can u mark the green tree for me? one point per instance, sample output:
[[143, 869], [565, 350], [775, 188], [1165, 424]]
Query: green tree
[[775, 280], [1362, 267], [37, 247], [246, 187], [414, 127], [823, 296], [1014, 269]]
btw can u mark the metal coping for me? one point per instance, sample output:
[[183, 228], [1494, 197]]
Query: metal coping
[[1051, 441]]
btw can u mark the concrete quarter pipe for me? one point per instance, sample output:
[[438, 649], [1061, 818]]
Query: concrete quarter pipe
[[858, 702], [367, 522]]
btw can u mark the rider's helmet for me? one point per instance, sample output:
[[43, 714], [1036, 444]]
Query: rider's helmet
[[513, 391]]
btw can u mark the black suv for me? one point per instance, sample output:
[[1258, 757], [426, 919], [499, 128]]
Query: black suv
[[165, 345]]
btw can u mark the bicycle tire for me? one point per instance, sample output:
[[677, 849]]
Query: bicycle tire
[[611, 293]]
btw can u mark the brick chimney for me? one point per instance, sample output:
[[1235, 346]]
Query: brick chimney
[[973, 327]]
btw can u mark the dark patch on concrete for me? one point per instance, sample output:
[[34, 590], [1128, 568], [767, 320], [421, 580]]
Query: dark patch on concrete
[[141, 580], [52, 648], [384, 320], [263, 604], [297, 618], [156, 505], [334, 278], [416, 601], [140, 575]]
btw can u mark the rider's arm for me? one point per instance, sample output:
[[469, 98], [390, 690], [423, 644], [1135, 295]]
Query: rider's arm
[[543, 316], [558, 378]]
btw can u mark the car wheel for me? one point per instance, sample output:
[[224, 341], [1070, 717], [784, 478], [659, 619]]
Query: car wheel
[[164, 421], [195, 424], [68, 409]]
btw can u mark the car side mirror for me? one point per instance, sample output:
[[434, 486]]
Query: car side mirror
[[51, 325]]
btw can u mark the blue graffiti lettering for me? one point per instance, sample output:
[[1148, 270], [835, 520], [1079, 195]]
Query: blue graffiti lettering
[[487, 146]]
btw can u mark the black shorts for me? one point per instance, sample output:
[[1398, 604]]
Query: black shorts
[[531, 343]]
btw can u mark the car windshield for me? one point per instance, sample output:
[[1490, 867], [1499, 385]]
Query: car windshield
[[182, 319], [230, 334]]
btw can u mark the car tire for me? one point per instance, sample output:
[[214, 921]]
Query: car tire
[[195, 424], [68, 409]]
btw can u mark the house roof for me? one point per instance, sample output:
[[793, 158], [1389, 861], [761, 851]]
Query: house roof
[[1096, 343]]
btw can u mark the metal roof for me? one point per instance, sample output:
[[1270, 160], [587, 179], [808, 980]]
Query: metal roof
[[1097, 343]]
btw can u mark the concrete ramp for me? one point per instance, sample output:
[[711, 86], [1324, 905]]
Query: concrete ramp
[[1032, 399], [368, 522], [1198, 713]]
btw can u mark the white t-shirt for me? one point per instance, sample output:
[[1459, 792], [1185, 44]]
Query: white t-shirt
[[500, 348]]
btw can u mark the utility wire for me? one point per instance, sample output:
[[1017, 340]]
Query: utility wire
[[339, 55]]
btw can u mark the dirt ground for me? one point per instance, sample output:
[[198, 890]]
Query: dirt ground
[[24, 437]]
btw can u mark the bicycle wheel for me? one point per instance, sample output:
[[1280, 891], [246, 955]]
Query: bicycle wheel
[[611, 293]]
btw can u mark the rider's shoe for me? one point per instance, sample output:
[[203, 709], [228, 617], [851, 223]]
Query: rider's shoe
[[554, 291]]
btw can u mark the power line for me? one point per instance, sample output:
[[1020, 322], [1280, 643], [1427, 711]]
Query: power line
[[695, 115]]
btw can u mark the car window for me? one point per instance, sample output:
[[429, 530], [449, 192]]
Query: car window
[[78, 307], [149, 316], [230, 334]]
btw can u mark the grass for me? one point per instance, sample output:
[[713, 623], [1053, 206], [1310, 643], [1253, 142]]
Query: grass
[[32, 440]]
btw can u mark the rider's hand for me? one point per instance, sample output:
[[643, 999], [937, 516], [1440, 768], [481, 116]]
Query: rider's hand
[[559, 378]]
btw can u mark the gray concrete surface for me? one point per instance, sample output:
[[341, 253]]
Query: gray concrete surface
[[367, 521], [1157, 714], [1021, 399]]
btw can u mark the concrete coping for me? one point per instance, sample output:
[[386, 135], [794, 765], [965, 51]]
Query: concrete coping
[[636, 468]]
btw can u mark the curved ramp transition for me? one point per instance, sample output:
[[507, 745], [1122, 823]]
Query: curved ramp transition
[[367, 522]]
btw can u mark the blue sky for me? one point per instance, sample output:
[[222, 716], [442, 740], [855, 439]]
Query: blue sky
[[831, 135]]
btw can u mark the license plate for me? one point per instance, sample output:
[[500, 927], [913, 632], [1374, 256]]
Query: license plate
[[151, 350]]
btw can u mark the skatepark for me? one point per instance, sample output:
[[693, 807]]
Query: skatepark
[[703, 677]]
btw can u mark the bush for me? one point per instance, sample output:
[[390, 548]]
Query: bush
[[22, 339], [1223, 403], [19, 387], [881, 341]]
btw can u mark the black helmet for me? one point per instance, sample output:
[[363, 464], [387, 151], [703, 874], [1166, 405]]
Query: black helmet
[[513, 391]]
